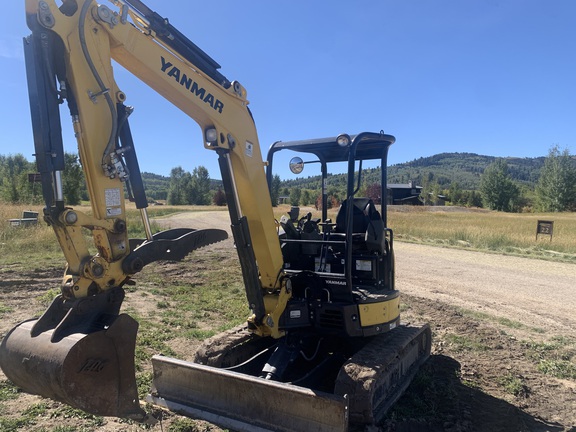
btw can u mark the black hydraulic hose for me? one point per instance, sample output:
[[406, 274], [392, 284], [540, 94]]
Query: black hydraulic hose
[[103, 90]]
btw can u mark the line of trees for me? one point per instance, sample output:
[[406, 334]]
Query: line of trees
[[16, 188], [555, 189], [189, 188]]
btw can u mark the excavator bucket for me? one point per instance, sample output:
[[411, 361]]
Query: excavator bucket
[[92, 371], [242, 402]]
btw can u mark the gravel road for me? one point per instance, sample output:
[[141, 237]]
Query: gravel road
[[534, 292]]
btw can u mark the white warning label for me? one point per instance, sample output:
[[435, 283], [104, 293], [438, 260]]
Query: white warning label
[[113, 199], [249, 148]]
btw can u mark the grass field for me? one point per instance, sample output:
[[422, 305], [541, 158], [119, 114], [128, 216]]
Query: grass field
[[509, 233]]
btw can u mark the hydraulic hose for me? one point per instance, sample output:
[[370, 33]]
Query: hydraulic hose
[[103, 90]]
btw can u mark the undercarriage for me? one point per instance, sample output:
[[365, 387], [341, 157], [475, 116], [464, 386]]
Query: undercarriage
[[314, 384]]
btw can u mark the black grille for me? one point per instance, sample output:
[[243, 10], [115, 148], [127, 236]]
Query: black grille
[[332, 319]]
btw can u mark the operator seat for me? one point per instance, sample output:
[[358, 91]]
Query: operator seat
[[367, 225]]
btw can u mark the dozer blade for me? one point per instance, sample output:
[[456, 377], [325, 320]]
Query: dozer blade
[[93, 372], [243, 402]]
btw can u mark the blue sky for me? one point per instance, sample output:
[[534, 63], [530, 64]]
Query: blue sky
[[493, 77]]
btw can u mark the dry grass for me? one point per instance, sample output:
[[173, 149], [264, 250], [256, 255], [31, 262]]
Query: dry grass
[[33, 243], [511, 233], [485, 230], [17, 243]]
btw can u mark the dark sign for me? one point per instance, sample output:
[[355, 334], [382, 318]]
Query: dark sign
[[545, 228], [35, 178]]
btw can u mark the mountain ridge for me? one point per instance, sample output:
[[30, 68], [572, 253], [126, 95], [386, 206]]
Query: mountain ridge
[[446, 168]]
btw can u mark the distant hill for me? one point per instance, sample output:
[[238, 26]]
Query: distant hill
[[156, 185], [463, 168], [444, 168]]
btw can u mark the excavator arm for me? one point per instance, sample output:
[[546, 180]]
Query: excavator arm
[[76, 44], [82, 341]]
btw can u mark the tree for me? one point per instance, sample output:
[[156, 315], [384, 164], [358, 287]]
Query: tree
[[219, 198], [498, 190], [198, 187], [275, 190], [295, 195], [14, 185], [176, 188], [72, 179], [305, 199], [374, 192], [556, 187], [471, 199], [186, 188], [455, 194], [429, 193]]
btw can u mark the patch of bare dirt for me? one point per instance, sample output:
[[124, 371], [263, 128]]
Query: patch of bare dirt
[[462, 387]]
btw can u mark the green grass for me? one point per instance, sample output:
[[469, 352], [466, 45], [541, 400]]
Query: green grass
[[513, 385], [184, 425], [67, 412], [506, 322], [8, 391], [5, 309], [15, 424], [464, 343], [558, 368], [556, 358]]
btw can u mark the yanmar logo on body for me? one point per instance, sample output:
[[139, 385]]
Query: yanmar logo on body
[[335, 282], [188, 83]]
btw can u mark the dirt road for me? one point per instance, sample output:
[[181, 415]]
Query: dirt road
[[536, 293]]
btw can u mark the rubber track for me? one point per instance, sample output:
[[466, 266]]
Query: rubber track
[[378, 374]]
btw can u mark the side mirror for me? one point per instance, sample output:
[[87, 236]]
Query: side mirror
[[296, 165]]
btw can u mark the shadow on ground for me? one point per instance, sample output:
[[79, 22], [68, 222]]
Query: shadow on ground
[[438, 400]]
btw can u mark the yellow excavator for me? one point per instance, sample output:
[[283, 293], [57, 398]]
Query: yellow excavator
[[323, 347]]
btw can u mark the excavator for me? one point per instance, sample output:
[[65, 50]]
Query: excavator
[[323, 347]]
